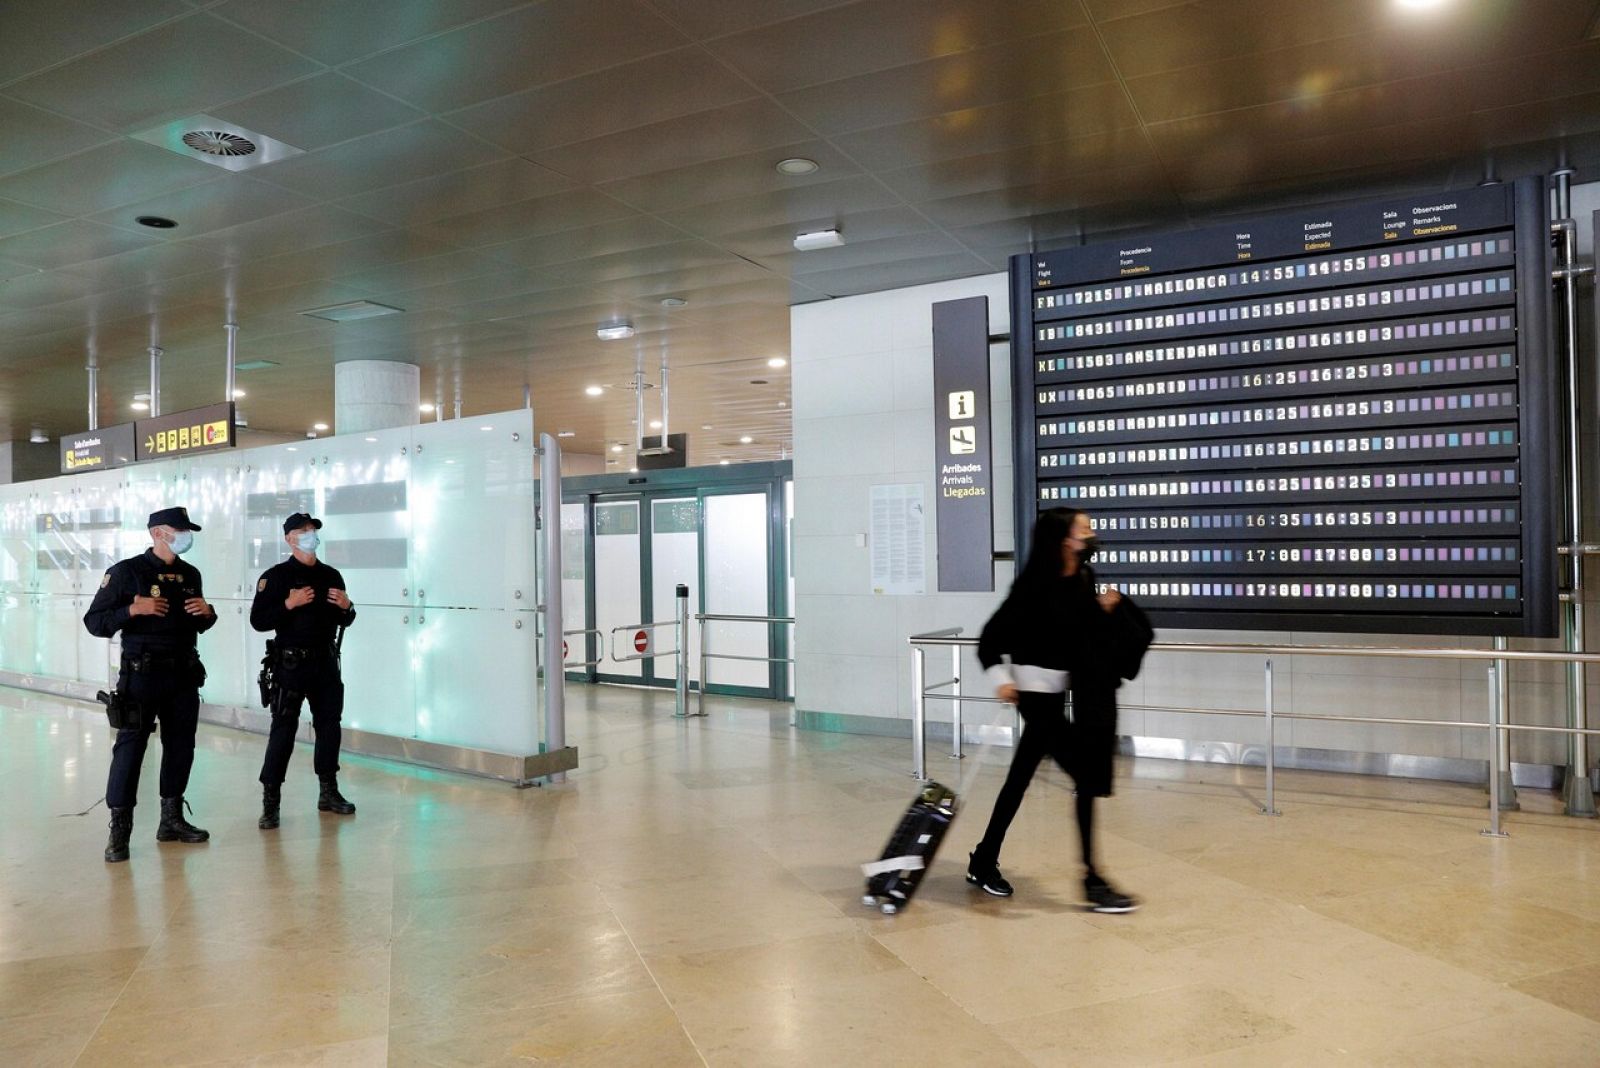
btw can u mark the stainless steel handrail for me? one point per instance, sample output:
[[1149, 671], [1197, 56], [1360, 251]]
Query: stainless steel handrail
[[597, 632], [1496, 727], [702, 618]]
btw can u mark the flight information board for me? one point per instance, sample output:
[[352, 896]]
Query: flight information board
[[1339, 419]]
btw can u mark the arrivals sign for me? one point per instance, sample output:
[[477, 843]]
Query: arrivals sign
[[96, 450], [184, 433], [964, 462]]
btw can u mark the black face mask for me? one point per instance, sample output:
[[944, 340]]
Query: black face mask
[[1090, 547]]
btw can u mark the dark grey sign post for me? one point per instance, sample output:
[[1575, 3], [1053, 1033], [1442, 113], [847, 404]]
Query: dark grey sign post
[[963, 454]]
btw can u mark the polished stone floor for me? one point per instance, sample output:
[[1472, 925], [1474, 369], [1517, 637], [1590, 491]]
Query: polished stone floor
[[691, 897]]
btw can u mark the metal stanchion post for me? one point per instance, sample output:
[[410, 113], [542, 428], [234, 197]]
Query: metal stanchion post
[[1493, 830], [1502, 748], [1271, 808], [955, 716], [919, 714], [703, 679], [681, 658]]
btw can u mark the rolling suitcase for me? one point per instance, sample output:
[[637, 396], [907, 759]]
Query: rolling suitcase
[[894, 877]]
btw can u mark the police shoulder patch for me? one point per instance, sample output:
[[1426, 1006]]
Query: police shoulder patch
[[105, 580], [261, 585]]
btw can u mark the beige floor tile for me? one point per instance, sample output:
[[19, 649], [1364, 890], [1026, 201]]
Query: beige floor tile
[[1543, 1035], [257, 975], [720, 913], [1574, 989], [195, 1035], [1067, 962], [1504, 940], [81, 984], [51, 1040], [892, 1017], [796, 962], [614, 1031], [437, 974], [1301, 1051], [359, 1053], [1154, 1028]]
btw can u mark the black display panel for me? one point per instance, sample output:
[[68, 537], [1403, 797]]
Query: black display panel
[[1340, 419]]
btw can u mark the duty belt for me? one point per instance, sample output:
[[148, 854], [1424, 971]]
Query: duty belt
[[150, 661], [294, 655]]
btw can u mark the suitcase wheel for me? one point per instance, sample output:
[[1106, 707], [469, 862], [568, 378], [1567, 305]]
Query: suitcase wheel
[[869, 900], [889, 908]]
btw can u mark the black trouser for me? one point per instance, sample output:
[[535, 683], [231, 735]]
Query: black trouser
[[315, 680], [1045, 732], [165, 694]]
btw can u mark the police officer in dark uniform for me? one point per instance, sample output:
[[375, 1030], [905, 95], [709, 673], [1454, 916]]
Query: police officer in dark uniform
[[304, 601], [156, 601]]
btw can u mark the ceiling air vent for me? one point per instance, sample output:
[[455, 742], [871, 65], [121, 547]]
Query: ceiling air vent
[[221, 144]]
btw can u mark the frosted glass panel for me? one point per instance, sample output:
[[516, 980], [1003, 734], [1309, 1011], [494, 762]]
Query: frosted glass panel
[[574, 535], [674, 558], [616, 577], [472, 513], [441, 512], [736, 584]]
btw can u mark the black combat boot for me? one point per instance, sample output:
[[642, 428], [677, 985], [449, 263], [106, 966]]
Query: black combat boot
[[121, 831], [271, 793], [174, 828], [331, 800]]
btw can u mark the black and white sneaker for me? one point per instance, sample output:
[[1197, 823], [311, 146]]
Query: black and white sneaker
[[988, 879], [1103, 897]]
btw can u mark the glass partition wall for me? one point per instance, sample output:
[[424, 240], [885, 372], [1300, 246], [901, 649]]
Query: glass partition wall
[[432, 527]]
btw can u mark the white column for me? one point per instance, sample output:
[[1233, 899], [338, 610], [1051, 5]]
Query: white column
[[375, 395]]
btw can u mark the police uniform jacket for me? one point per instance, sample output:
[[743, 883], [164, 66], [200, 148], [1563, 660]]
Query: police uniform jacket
[[311, 626], [149, 576]]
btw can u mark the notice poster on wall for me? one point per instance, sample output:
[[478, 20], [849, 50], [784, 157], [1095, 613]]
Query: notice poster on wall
[[898, 539]]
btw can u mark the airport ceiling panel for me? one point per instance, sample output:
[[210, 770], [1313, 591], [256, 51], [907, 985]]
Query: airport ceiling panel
[[511, 172]]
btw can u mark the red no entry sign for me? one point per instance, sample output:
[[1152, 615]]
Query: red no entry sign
[[641, 642], [564, 652]]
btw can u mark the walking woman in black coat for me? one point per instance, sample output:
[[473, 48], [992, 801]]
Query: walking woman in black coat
[[1052, 633]]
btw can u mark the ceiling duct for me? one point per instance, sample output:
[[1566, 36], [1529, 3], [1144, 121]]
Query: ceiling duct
[[221, 144]]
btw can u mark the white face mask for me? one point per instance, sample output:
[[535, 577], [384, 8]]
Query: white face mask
[[308, 541], [181, 541]]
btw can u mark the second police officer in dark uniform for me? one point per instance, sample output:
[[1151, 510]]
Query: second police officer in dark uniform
[[304, 601], [155, 600]]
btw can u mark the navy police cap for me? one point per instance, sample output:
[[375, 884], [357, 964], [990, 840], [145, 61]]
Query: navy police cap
[[176, 518], [300, 519]]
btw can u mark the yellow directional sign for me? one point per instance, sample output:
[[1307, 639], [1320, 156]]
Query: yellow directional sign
[[184, 433]]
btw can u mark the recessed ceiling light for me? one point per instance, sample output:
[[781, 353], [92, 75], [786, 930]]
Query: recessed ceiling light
[[746, 440], [594, 391], [155, 222], [673, 302], [705, 426], [424, 408], [633, 470], [140, 406], [486, 428], [566, 433], [319, 426], [777, 361], [655, 424], [722, 463], [616, 448], [818, 239], [351, 311], [1418, 5], [795, 166], [783, 404], [614, 330], [293, 449], [371, 439], [38, 437], [238, 393]]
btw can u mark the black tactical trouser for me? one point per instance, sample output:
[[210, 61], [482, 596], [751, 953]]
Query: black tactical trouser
[[167, 694], [316, 681]]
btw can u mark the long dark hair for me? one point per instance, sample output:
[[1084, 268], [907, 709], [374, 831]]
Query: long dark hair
[[1053, 527]]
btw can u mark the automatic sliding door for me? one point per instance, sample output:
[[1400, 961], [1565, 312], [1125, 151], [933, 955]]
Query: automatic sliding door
[[737, 583], [617, 579]]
